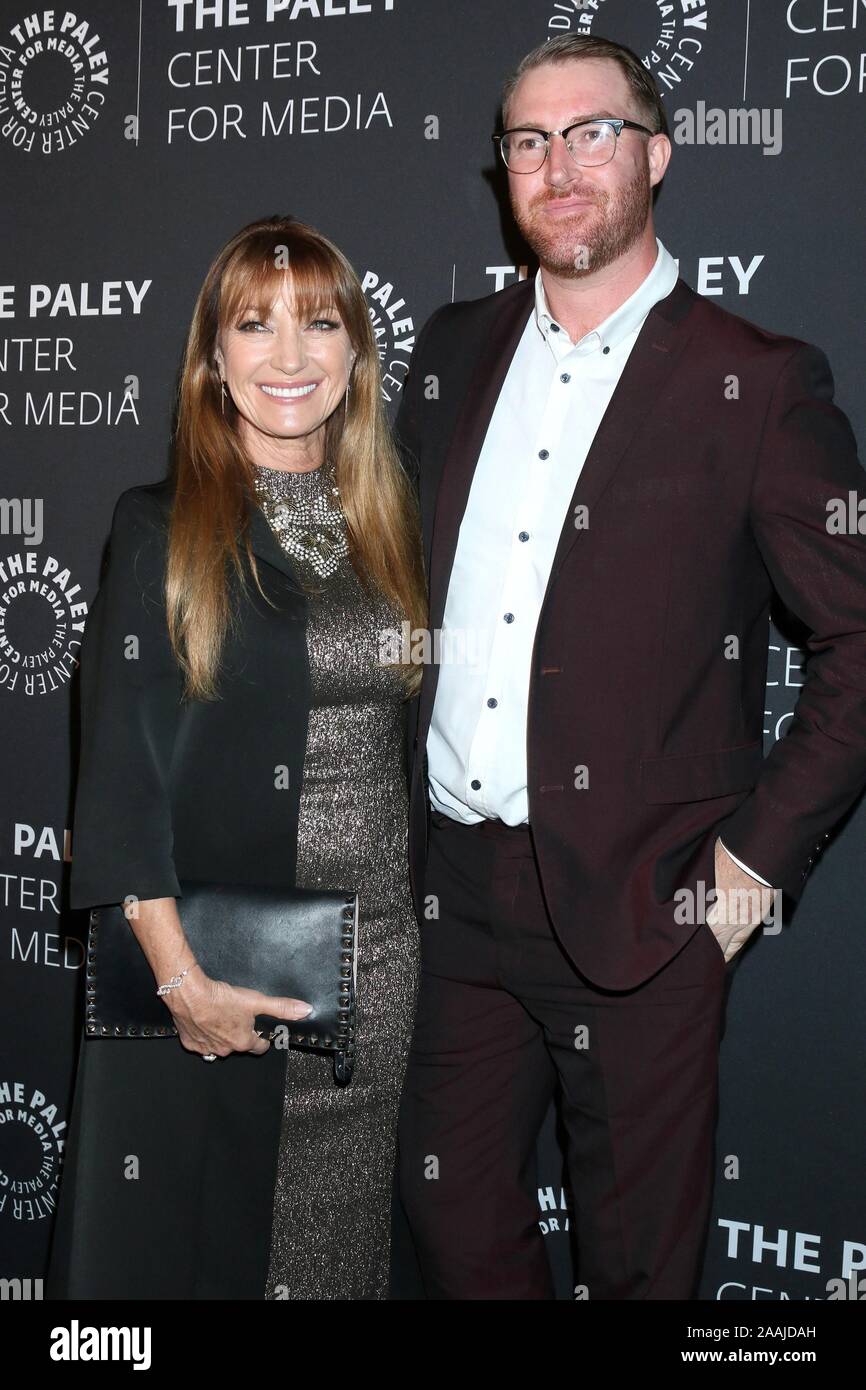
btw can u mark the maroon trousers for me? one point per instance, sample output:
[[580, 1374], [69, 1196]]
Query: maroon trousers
[[505, 1021]]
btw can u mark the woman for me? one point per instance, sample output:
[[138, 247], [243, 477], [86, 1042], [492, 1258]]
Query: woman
[[240, 724]]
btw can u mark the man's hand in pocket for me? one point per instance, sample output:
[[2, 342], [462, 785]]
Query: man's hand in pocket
[[742, 902]]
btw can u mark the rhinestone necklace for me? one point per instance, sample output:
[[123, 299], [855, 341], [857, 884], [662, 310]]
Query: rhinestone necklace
[[304, 509]]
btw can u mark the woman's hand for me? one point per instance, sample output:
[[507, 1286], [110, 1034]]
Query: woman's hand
[[212, 1016]]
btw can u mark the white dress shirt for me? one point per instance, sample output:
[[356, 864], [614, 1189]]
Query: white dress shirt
[[549, 408]]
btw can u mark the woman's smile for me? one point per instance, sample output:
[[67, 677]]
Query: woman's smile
[[288, 393]]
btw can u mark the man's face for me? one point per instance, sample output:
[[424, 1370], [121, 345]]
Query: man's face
[[578, 219]]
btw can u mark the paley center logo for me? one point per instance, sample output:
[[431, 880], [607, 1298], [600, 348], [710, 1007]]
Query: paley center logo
[[41, 622], [668, 37], [31, 1152], [53, 80], [393, 330]]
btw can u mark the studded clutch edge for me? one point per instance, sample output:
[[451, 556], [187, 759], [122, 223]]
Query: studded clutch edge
[[296, 943]]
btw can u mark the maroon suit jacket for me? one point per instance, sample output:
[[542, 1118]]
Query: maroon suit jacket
[[700, 507]]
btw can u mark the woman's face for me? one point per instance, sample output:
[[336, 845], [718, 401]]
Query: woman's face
[[284, 376]]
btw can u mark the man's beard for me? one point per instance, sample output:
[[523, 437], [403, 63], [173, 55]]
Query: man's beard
[[577, 244]]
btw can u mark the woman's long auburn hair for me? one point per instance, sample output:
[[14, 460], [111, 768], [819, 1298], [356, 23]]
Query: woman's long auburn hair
[[208, 528]]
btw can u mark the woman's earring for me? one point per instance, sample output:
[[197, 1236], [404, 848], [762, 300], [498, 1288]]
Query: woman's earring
[[223, 396], [346, 401]]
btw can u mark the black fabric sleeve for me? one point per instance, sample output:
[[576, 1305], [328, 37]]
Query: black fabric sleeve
[[131, 689]]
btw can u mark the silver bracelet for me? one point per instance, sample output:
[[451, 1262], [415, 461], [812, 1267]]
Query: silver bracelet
[[176, 980]]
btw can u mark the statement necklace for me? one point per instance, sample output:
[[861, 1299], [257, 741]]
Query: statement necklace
[[304, 509]]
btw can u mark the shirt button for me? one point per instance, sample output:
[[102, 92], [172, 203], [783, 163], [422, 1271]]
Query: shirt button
[[543, 454], [605, 349], [492, 703], [475, 784], [523, 536], [565, 377], [554, 328], [509, 617]]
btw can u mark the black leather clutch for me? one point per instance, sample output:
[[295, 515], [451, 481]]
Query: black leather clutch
[[293, 942]]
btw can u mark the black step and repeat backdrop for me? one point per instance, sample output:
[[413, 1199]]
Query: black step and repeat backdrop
[[135, 137]]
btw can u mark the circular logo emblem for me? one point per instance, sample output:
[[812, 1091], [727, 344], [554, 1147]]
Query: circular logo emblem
[[41, 623], [668, 42], [31, 1148], [53, 80]]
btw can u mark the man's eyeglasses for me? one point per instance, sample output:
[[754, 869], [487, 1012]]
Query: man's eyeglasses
[[588, 142]]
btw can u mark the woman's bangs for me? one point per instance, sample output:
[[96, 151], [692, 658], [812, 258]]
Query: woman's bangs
[[253, 283]]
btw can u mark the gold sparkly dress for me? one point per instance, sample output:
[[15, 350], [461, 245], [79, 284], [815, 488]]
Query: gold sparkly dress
[[330, 1237]]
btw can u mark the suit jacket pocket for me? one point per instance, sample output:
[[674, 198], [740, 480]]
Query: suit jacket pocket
[[700, 776]]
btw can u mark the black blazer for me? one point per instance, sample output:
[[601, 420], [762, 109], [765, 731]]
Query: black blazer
[[701, 505], [169, 789]]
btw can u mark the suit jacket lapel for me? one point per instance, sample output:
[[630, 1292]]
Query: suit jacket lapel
[[638, 391]]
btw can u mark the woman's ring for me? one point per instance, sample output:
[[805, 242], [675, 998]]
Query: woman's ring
[[208, 1056]]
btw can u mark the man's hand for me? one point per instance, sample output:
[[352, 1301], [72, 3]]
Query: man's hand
[[742, 902]]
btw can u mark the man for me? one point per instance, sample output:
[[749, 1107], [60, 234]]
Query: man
[[620, 474]]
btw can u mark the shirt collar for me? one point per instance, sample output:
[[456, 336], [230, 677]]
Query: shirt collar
[[624, 320]]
